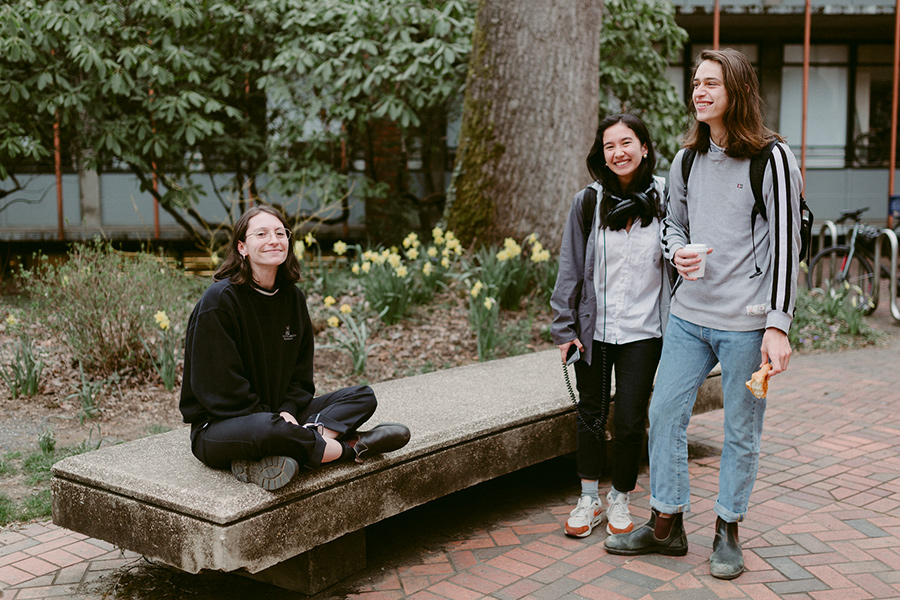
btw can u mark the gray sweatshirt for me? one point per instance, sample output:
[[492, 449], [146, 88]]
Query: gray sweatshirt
[[716, 212]]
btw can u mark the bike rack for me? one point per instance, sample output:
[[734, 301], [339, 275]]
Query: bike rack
[[887, 234], [832, 231]]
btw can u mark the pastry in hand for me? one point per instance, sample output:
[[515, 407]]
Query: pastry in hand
[[759, 381]]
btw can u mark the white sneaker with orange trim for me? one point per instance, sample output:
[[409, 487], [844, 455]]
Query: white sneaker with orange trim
[[618, 517], [584, 517]]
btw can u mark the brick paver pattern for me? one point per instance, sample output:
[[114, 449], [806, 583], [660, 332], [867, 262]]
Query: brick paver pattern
[[824, 520]]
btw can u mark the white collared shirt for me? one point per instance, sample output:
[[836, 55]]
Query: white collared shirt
[[627, 283]]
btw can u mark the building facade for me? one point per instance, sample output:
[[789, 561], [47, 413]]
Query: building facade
[[850, 83]]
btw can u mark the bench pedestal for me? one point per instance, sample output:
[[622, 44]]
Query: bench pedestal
[[319, 568]]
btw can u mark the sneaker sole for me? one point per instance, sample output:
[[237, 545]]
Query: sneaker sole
[[587, 532], [269, 473]]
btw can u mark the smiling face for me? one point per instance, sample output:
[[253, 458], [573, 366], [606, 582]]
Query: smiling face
[[710, 98], [265, 255], [623, 151]]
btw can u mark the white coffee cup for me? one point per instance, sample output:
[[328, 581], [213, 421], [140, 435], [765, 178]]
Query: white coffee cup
[[701, 250]]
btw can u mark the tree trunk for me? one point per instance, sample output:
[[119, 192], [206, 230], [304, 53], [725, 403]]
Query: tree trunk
[[529, 119]]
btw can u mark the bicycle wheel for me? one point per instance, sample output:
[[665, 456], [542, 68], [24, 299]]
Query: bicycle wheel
[[829, 269]]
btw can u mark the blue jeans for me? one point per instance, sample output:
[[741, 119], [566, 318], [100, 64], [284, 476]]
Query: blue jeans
[[689, 354]]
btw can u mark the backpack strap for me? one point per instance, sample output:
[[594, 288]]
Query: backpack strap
[[687, 162], [757, 173], [588, 206]]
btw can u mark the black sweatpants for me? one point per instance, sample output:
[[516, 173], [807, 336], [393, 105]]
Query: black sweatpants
[[217, 443], [635, 365]]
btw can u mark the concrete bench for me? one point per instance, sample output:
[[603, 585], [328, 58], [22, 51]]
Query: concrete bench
[[469, 425]]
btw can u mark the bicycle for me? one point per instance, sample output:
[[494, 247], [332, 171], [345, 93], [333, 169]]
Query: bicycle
[[849, 263]]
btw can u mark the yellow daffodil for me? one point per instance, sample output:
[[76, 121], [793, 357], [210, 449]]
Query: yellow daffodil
[[437, 232], [489, 303], [309, 239], [346, 309], [11, 320], [333, 321], [394, 260], [411, 241], [476, 289], [427, 268], [162, 319], [329, 301], [445, 262], [432, 251], [339, 248], [299, 249], [401, 271], [532, 239], [366, 267], [355, 268], [412, 254]]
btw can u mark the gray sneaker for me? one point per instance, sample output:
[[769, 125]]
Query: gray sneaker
[[269, 473]]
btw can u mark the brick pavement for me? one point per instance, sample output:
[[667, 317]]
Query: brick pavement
[[824, 520]]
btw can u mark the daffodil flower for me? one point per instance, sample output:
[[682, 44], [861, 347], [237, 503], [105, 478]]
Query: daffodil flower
[[309, 239], [333, 321], [329, 301], [346, 309], [427, 268], [355, 268], [162, 319], [401, 271], [339, 248], [489, 303]]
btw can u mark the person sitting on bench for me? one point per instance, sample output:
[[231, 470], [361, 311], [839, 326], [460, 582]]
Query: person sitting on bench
[[247, 388]]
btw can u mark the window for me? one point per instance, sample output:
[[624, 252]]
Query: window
[[872, 104], [826, 129]]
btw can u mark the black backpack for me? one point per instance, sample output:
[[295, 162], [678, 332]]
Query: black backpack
[[757, 172]]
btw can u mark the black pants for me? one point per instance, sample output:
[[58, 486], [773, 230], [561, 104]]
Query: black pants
[[255, 436], [635, 365]]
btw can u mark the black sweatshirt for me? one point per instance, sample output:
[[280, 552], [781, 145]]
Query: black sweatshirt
[[245, 353]]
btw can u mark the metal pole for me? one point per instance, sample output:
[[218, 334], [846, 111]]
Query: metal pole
[[57, 160], [807, 34], [893, 161], [716, 26]]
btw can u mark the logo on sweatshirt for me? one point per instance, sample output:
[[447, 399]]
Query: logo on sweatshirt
[[288, 336], [740, 186]]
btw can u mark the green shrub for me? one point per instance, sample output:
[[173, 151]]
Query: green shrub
[[101, 303], [828, 320]]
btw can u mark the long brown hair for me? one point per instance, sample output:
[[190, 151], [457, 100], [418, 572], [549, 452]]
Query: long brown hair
[[238, 268], [746, 133]]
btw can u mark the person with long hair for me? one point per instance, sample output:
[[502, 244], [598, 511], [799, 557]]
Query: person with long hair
[[610, 303], [247, 389], [738, 314]]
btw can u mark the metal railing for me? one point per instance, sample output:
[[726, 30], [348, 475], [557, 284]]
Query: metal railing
[[890, 236], [829, 227]]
